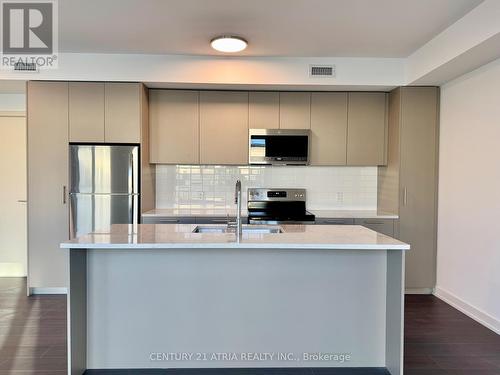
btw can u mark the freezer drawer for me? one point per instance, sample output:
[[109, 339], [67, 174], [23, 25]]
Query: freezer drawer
[[96, 212]]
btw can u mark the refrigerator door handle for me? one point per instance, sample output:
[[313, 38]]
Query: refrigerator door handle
[[131, 166], [134, 209], [64, 194]]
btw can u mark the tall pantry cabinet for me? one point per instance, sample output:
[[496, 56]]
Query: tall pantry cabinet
[[408, 184], [48, 170]]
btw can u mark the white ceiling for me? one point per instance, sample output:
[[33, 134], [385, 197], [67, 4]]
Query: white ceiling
[[354, 28]]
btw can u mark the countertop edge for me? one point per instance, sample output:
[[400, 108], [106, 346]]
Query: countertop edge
[[320, 214], [262, 246]]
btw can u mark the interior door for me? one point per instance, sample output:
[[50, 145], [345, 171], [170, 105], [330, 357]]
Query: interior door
[[13, 234]]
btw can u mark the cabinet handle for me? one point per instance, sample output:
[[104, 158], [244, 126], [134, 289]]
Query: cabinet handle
[[373, 222], [405, 196], [169, 220], [220, 220], [22, 201], [64, 194]]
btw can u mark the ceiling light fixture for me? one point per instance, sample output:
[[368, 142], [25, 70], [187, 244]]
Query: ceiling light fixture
[[228, 43]]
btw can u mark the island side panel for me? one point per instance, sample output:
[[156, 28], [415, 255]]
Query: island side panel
[[395, 311], [234, 301], [77, 312]]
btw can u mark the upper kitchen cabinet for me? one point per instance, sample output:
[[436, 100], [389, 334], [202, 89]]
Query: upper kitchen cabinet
[[86, 112], [295, 110], [328, 128], [223, 127], [367, 128], [122, 112], [174, 126], [263, 110]]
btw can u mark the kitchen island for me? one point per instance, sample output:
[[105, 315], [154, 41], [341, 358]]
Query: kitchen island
[[161, 296]]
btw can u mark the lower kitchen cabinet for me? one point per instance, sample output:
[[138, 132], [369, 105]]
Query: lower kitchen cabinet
[[169, 220], [384, 226], [334, 221], [212, 220], [203, 220]]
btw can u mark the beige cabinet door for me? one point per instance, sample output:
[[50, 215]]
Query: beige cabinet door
[[122, 112], [328, 128], [13, 231], [418, 183], [295, 110], [174, 126], [263, 110], [48, 214], [367, 128], [86, 112], [223, 127]]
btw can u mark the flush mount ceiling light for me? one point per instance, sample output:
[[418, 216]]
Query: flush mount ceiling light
[[228, 43]]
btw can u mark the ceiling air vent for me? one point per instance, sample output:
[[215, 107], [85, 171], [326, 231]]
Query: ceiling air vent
[[22, 66], [322, 71]]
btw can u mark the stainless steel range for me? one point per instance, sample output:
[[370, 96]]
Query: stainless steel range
[[278, 206]]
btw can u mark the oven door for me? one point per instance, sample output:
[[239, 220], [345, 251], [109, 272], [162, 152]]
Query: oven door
[[279, 146]]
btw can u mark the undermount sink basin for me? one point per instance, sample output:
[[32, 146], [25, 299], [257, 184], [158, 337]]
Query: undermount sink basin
[[245, 229]]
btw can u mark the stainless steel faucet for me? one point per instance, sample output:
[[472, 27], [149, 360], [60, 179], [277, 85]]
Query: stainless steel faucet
[[237, 201]]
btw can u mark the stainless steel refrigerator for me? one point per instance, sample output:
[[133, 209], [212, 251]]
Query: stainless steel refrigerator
[[104, 187]]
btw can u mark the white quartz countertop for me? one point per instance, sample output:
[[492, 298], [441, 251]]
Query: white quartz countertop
[[221, 212], [195, 212], [176, 236]]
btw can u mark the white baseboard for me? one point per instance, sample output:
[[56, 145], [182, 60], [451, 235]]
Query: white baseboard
[[472, 312], [48, 290], [419, 290]]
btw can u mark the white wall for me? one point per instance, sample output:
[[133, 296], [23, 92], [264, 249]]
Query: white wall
[[234, 71], [468, 273], [328, 188], [12, 102]]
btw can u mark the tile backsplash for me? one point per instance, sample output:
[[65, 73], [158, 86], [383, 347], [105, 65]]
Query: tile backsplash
[[194, 186]]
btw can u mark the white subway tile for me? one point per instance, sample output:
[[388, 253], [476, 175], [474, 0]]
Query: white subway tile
[[213, 186]]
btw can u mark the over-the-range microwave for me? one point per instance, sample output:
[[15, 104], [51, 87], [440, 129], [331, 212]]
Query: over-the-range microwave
[[279, 146]]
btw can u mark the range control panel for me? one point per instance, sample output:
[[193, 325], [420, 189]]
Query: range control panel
[[276, 194], [264, 194]]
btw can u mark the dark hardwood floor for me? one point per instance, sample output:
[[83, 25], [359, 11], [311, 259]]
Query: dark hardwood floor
[[32, 331], [439, 340]]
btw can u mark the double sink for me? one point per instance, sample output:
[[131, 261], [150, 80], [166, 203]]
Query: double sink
[[252, 229]]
